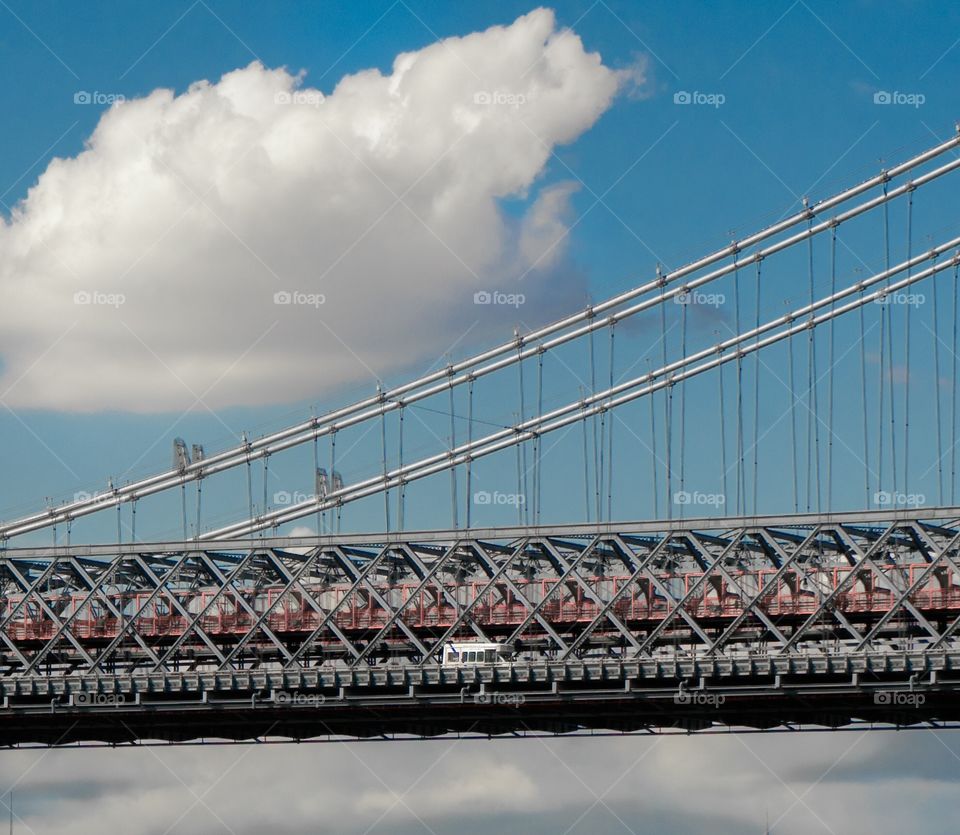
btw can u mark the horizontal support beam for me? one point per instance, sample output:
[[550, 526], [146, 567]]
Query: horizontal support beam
[[716, 524]]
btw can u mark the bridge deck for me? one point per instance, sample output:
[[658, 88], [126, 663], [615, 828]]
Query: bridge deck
[[828, 690]]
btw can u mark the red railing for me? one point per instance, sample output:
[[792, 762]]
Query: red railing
[[567, 604]]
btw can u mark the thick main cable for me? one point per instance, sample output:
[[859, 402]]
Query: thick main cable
[[394, 399], [623, 392]]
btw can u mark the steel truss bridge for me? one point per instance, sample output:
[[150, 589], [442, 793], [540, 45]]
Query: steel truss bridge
[[238, 630], [749, 622]]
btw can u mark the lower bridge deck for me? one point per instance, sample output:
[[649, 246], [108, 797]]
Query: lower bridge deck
[[693, 694]]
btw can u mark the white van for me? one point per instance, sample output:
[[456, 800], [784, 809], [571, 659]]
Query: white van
[[472, 653]]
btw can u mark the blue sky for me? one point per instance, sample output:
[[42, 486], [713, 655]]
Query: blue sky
[[656, 180]]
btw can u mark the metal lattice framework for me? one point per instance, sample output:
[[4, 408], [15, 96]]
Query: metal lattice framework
[[774, 586], [626, 627]]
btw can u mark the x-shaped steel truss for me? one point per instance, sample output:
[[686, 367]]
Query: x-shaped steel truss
[[462, 579]]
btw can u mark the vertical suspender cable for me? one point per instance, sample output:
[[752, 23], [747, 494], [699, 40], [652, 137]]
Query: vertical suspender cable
[[863, 403], [333, 469], [593, 419], [454, 501], [266, 473], [668, 430], [808, 481], [383, 460], [813, 402], [723, 438], [936, 392], [610, 433], [893, 421], [586, 468], [469, 497], [519, 501], [316, 481], [741, 486], [832, 352], [668, 393], [906, 354], [653, 451], [883, 346], [793, 425], [537, 443], [249, 478], [683, 406], [522, 447], [199, 504], [601, 477], [756, 401], [601, 468], [183, 508], [953, 392], [402, 497], [880, 399], [597, 442]]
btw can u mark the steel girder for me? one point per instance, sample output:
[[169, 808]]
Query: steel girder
[[559, 594]]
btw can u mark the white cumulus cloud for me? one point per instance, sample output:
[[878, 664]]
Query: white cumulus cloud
[[255, 240]]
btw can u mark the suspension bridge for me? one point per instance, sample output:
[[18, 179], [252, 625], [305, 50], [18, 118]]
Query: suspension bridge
[[783, 411]]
